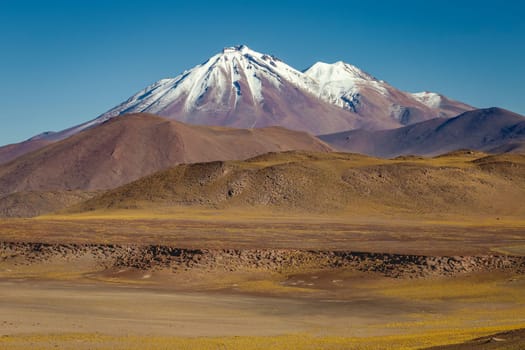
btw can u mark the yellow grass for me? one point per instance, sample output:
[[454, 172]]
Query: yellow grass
[[293, 341], [511, 250], [271, 287], [465, 288]]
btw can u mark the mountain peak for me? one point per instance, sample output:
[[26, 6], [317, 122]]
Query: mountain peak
[[337, 71], [237, 48]]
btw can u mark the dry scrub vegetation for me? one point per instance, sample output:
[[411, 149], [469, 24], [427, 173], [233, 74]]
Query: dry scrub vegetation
[[295, 341], [461, 183]]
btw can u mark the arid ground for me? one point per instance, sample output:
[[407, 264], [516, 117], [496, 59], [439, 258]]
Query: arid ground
[[253, 280]]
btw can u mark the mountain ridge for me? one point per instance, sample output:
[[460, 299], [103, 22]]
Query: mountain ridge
[[492, 130]]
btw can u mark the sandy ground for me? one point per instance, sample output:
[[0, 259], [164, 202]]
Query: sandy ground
[[41, 302], [453, 236], [335, 303], [51, 307]]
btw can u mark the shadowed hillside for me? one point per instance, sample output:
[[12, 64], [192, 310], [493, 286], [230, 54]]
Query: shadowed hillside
[[490, 130]]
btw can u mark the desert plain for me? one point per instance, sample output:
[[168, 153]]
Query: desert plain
[[122, 272]]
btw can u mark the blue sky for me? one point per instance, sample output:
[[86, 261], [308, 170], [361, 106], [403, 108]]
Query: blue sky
[[65, 62]]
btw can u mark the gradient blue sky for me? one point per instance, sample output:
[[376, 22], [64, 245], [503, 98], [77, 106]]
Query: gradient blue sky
[[65, 62]]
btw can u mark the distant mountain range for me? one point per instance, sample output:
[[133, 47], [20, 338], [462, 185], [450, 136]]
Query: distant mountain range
[[492, 130], [242, 88]]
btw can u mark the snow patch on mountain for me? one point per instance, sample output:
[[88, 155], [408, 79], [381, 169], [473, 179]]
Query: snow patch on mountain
[[429, 99], [340, 83]]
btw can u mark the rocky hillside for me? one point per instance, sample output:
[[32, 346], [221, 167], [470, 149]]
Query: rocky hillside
[[461, 182]]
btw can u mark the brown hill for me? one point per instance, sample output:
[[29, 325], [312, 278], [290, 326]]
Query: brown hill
[[334, 182], [491, 130], [12, 151], [129, 147]]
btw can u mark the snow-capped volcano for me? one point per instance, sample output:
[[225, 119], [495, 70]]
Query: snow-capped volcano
[[234, 79], [240, 87]]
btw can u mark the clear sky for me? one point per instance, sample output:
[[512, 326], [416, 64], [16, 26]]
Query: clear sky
[[65, 62]]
